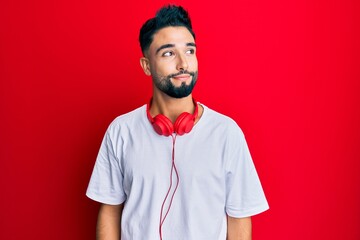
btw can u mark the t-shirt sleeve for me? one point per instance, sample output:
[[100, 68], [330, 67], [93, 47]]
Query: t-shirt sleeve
[[106, 182], [244, 194]]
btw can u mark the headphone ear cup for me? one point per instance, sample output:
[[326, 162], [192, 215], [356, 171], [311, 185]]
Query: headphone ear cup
[[184, 123], [162, 125]]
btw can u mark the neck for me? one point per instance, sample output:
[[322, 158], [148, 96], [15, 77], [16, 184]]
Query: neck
[[171, 107]]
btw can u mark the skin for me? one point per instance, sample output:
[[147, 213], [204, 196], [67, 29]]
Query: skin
[[109, 222], [171, 60], [173, 50], [239, 228]]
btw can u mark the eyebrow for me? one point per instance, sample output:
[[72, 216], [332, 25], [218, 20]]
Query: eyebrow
[[169, 45]]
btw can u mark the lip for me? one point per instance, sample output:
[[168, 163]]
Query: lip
[[182, 77]]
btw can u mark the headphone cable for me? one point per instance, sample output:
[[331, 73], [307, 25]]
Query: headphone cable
[[173, 167]]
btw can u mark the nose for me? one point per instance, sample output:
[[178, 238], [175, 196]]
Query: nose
[[182, 63]]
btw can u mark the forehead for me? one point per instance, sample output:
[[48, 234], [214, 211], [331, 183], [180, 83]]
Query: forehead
[[178, 36]]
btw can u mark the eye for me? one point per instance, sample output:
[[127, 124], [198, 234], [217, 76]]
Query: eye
[[190, 51], [167, 54]]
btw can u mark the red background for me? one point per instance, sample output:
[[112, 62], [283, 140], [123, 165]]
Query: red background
[[286, 71]]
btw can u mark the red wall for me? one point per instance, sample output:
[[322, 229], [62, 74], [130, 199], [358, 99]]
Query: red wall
[[286, 71]]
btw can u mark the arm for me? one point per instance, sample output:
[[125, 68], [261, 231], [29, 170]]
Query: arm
[[238, 228], [108, 225]]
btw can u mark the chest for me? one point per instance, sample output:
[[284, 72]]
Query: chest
[[148, 162]]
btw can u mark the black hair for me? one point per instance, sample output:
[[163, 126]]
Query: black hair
[[170, 15]]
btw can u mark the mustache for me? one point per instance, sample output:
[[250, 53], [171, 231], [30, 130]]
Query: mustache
[[181, 72]]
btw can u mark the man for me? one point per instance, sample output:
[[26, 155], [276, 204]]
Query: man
[[174, 169]]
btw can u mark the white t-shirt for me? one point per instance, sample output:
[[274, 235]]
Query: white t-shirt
[[216, 177]]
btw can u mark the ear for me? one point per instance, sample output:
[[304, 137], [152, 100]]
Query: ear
[[145, 65]]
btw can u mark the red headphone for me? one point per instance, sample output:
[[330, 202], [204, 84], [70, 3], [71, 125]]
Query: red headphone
[[163, 125]]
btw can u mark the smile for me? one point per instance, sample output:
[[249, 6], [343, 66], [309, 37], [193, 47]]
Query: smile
[[182, 77]]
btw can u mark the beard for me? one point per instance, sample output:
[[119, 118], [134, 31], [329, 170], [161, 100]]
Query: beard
[[164, 84]]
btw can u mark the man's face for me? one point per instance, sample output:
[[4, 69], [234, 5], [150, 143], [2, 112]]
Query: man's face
[[172, 61]]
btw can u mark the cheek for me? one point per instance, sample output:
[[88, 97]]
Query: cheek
[[160, 71], [165, 68], [194, 64]]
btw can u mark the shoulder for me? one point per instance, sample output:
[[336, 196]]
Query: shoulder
[[215, 120], [128, 120]]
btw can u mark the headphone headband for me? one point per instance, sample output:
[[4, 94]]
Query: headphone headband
[[163, 125]]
